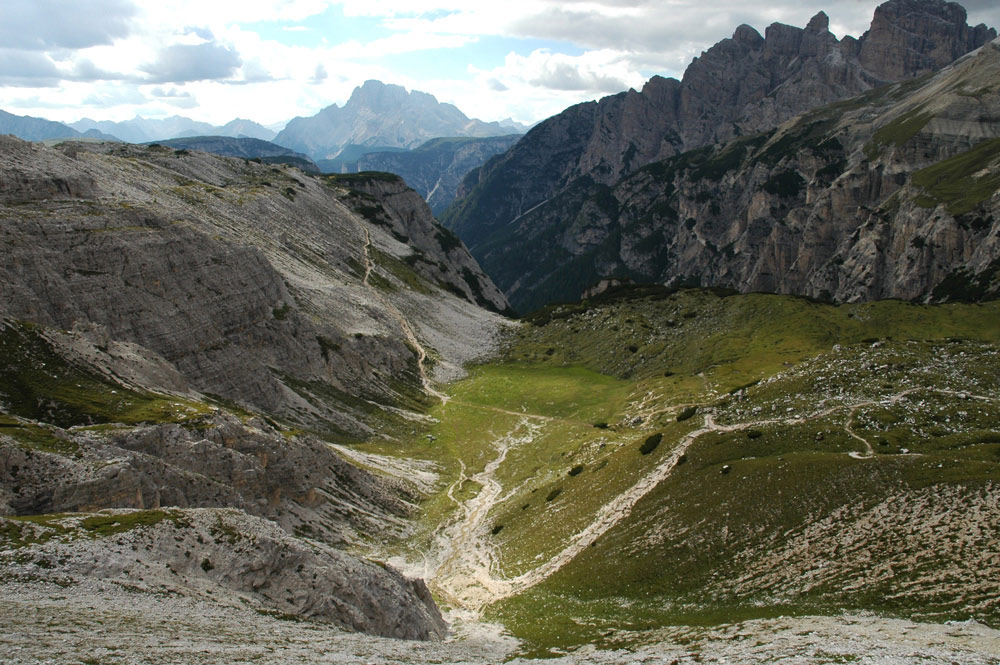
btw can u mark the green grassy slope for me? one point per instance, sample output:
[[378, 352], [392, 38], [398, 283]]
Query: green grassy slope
[[835, 458], [38, 383]]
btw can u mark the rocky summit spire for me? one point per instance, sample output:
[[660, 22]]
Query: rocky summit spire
[[819, 23], [908, 38]]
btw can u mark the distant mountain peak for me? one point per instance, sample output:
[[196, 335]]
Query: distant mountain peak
[[384, 115]]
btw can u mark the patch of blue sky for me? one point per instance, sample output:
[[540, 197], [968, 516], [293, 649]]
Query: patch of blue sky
[[327, 28], [485, 53]]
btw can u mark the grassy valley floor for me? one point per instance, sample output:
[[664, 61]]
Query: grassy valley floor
[[699, 459]]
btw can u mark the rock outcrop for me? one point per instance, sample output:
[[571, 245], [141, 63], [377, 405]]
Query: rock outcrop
[[902, 42], [222, 556], [213, 461], [739, 87]]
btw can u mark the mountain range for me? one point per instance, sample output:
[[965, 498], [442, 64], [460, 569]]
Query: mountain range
[[437, 142], [553, 196], [40, 129], [146, 130], [251, 412]]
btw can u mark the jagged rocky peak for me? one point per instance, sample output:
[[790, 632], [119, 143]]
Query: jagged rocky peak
[[748, 36], [380, 115], [819, 23], [911, 37]]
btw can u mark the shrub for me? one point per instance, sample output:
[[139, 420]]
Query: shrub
[[576, 470], [785, 184], [650, 444], [553, 494]]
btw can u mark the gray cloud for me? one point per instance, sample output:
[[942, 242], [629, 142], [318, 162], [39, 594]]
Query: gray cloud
[[70, 24], [27, 69], [321, 74], [172, 93], [254, 71], [983, 11], [656, 25], [85, 70], [182, 63], [564, 76], [496, 85]]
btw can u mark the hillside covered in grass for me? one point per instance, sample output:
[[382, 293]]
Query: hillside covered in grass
[[656, 458]]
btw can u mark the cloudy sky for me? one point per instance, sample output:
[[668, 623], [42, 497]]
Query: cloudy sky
[[271, 60]]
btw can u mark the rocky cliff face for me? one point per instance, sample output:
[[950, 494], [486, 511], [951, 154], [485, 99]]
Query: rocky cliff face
[[738, 87], [909, 37], [381, 115], [213, 461], [889, 195], [254, 282]]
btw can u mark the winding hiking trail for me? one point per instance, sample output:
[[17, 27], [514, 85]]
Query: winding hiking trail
[[404, 324], [466, 574]]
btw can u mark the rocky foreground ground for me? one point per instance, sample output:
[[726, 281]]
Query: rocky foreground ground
[[103, 622]]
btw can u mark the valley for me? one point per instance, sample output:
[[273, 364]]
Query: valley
[[703, 372], [611, 488]]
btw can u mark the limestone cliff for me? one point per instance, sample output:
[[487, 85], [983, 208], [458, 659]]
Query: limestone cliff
[[740, 86], [889, 195]]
